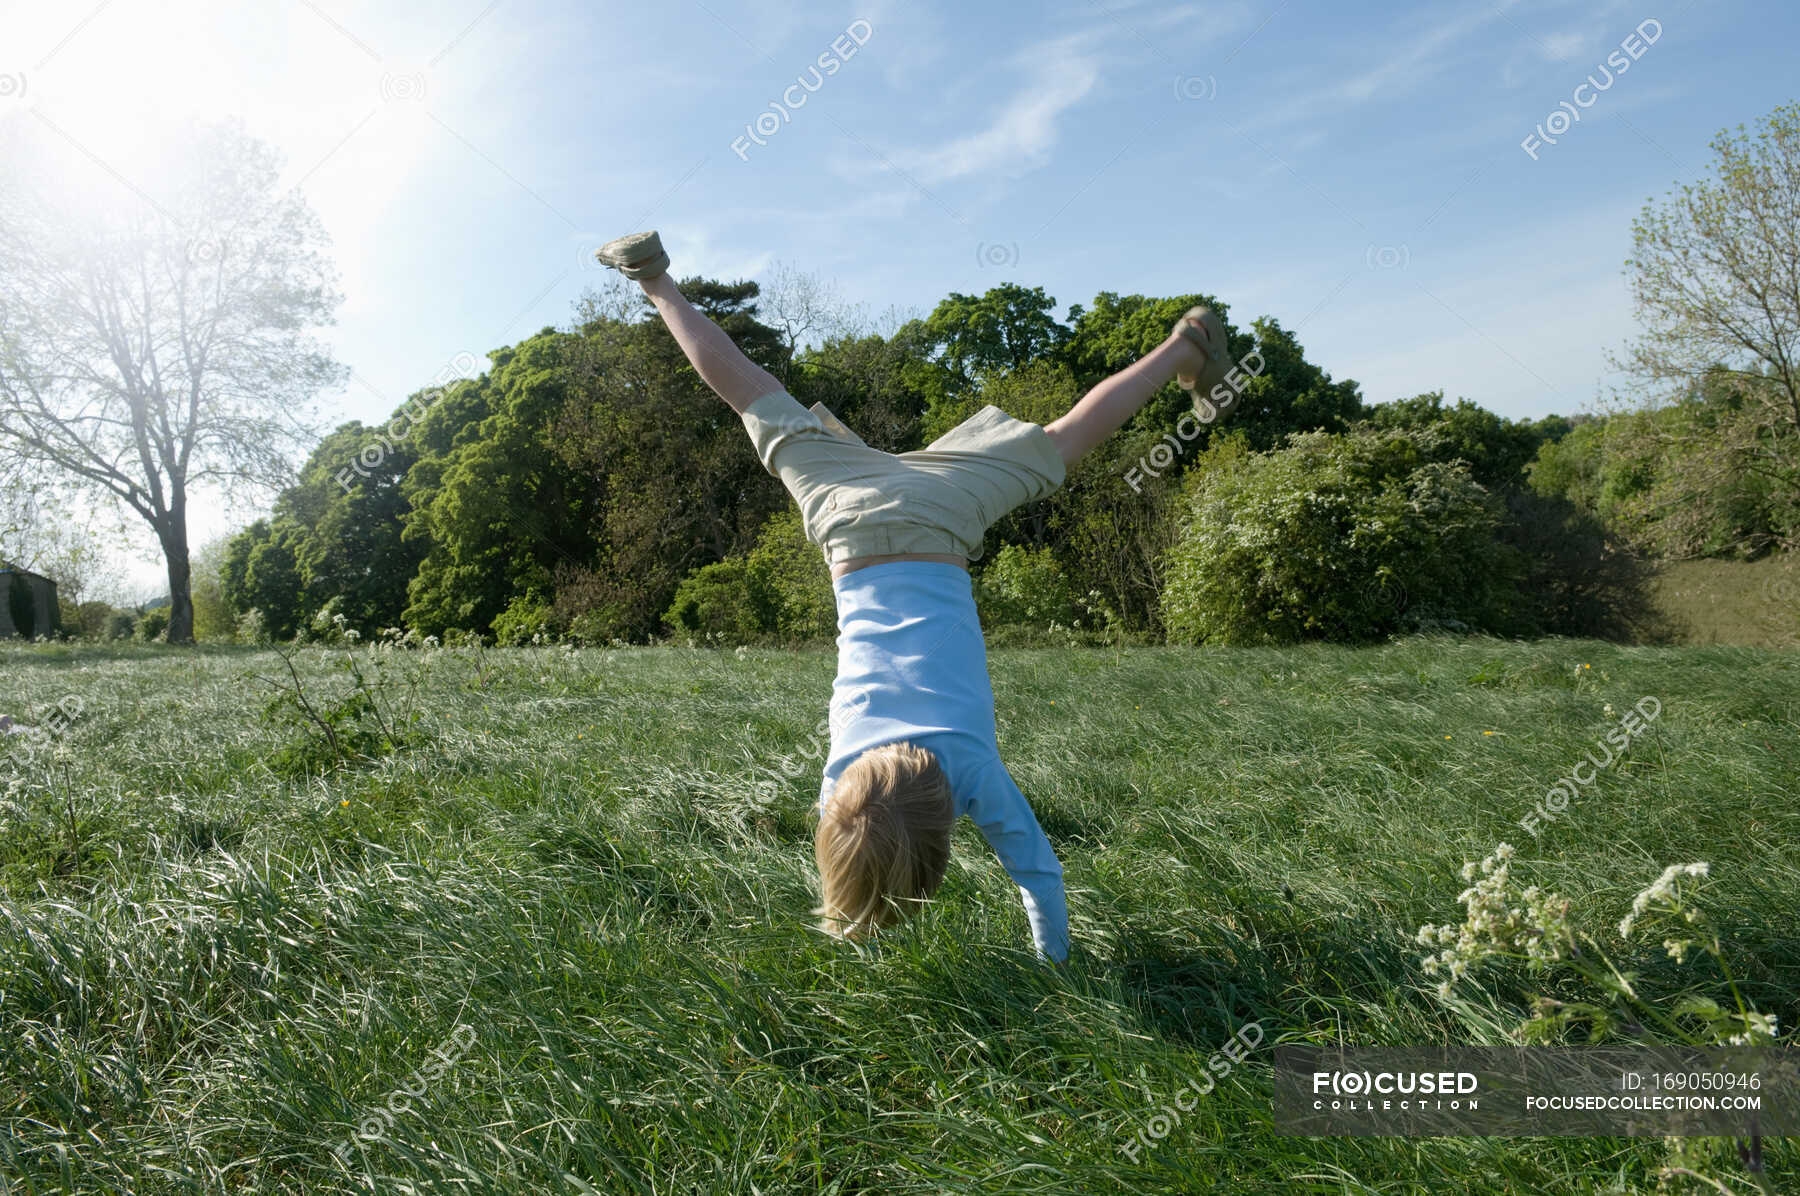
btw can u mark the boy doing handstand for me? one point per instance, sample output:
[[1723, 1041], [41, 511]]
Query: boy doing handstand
[[913, 743]]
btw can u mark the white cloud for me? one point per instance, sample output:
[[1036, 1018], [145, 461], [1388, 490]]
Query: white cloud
[[1561, 47], [1211, 21], [1404, 61], [1021, 134], [1421, 57]]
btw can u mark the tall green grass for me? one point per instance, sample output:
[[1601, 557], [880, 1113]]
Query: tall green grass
[[213, 971]]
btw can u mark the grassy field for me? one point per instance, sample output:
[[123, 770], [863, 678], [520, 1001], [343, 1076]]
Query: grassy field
[[1731, 602], [563, 912]]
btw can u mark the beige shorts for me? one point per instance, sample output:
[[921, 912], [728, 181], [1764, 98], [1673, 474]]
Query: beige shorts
[[858, 501]]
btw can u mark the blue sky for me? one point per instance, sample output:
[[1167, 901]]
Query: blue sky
[[1353, 170]]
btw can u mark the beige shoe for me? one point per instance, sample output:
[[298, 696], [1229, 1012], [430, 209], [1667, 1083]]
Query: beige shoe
[[639, 256], [1203, 328]]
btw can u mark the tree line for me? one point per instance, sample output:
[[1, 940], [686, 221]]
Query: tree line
[[586, 485]]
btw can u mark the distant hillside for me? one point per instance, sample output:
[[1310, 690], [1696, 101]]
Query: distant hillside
[[1732, 602]]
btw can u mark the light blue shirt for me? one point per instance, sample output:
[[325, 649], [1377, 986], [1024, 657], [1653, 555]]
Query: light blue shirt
[[912, 667]]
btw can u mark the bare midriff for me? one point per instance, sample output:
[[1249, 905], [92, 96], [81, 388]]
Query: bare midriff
[[863, 562]]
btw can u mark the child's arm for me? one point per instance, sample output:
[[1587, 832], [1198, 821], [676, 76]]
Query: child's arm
[[718, 361], [1012, 830]]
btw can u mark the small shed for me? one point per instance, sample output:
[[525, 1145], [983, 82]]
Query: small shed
[[27, 603]]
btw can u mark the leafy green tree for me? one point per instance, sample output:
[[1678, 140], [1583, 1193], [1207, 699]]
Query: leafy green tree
[[346, 513], [49, 529], [669, 482], [524, 621], [1286, 394], [780, 590], [351, 500], [1004, 329], [1291, 394], [881, 386], [1715, 277], [1024, 587], [499, 512], [1496, 449], [1570, 468], [1116, 330], [1672, 485], [261, 572], [714, 600], [790, 585]]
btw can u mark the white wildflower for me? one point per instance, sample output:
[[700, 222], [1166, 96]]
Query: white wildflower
[[1758, 1028]]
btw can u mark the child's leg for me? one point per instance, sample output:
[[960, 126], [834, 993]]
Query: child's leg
[[719, 362], [1106, 408]]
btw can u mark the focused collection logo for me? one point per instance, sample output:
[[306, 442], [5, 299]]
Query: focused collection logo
[[1356, 1090]]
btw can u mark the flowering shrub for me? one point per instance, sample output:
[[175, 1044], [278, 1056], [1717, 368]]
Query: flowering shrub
[[1345, 537]]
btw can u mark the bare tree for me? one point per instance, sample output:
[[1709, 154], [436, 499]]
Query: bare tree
[[1715, 279], [166, 346], [802, 307]]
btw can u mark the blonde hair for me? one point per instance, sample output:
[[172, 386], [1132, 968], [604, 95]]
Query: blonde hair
[[883, 840]]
